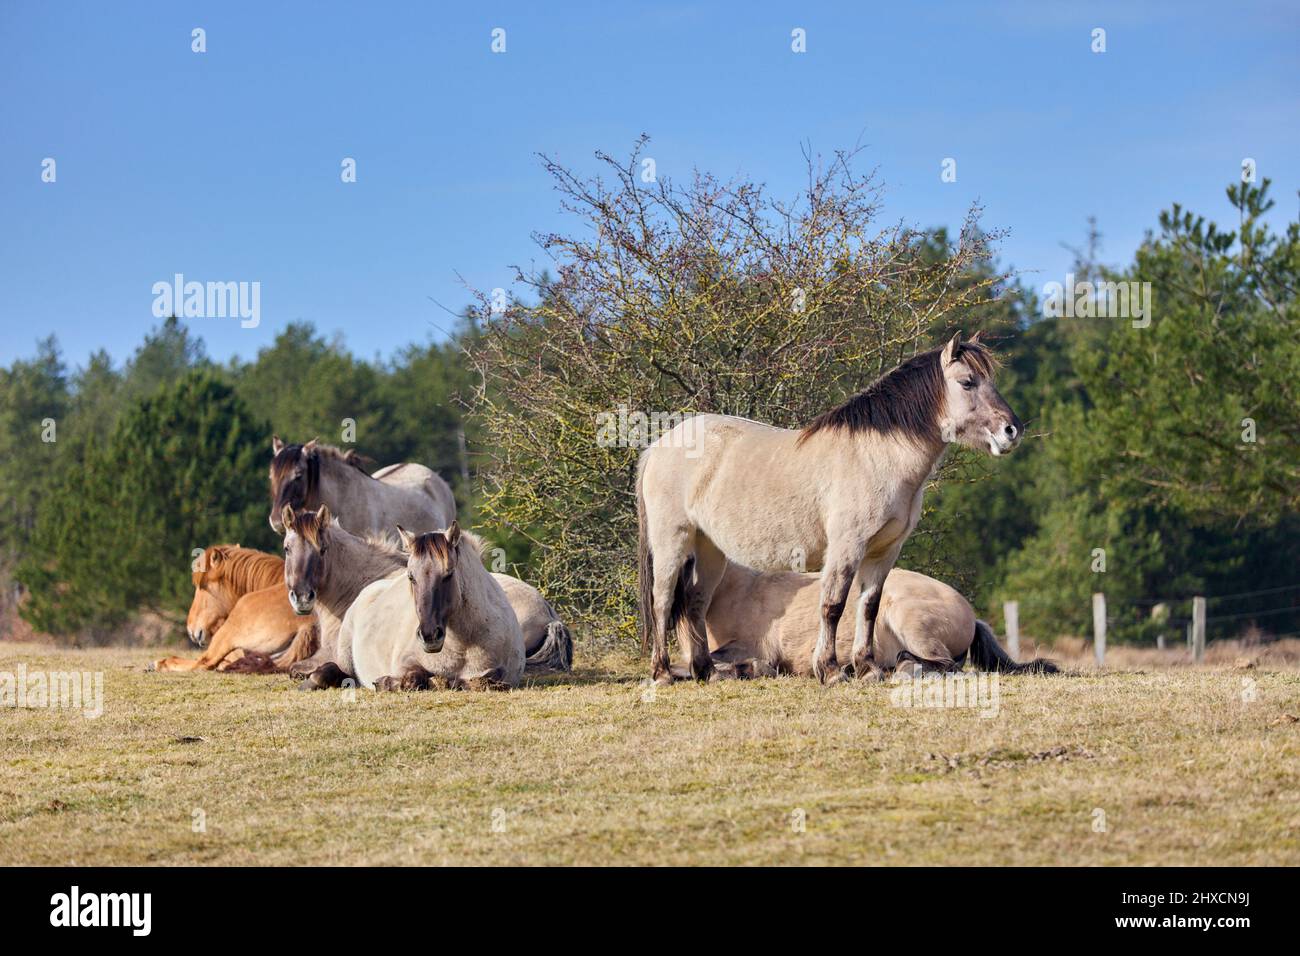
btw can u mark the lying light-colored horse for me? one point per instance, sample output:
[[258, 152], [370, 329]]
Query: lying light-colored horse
[[448, 623], [547, 640], [764, 623], [327, 569], [239, 605], [842, 495], [308, 476]]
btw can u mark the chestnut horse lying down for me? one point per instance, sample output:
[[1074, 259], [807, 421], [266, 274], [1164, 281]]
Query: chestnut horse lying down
[[766, 623], [239, 605]]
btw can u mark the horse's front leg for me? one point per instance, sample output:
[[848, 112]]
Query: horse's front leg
[[871, 579], [837, 578], [326, 676], [413, 678]]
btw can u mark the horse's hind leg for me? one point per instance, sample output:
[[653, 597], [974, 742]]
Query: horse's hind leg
[[669, 593], [709, 565]]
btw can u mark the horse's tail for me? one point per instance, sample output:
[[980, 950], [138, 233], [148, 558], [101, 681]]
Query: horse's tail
[[555, 653], [645, 567], [987, 655]]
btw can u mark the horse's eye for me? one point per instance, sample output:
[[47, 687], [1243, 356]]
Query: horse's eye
[[968, 384], [410, 577]]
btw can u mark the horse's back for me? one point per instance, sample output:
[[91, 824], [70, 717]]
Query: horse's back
[[533, 611], [742, 483], [421, 480]]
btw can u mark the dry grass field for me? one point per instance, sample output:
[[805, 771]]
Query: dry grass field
[[1133, 765]]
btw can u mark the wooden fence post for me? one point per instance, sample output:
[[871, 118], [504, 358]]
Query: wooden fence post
[[1160, 614], [1011, 614], [1099, 627], [1198, 629]]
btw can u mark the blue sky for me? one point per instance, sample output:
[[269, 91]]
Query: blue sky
[[225, 165]]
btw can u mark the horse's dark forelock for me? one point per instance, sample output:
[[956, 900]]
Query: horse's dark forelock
[[907, 400], [435, 545], [283, 467], [308, 526]]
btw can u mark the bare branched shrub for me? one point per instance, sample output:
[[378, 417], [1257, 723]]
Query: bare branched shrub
[[670, 300]]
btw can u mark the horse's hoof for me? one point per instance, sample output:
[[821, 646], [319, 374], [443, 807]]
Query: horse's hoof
[[866, 670], [829, 674], [664, 679]]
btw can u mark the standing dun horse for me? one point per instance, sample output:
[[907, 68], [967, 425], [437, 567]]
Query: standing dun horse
[[308, 476], [239, 605], [328, 569], [765, 623], [842, 494]]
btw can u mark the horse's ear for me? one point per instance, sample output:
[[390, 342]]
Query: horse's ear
[[286, 516], [453, 534], [950, 350], [323, 516], [408, 539], [310, 447], [216, 555], [976, 339], [276, 445]]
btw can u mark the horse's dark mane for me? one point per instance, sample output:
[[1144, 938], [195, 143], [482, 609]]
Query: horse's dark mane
[[907, 400]]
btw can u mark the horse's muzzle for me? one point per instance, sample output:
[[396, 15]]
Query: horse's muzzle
[[432, 643], [198, 638]]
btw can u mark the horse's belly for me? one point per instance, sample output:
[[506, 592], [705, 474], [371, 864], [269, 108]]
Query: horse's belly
[[798, 550], [757, 506]]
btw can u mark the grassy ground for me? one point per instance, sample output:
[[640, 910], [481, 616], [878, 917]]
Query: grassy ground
[[1178, 766]]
